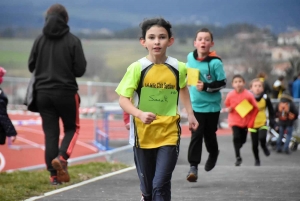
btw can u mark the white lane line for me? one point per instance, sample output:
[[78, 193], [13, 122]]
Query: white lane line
[[31, 143], [2, 162], [81, 184], [36, 131], [87, 146]]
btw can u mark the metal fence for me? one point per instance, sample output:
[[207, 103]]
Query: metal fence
[[90, 92]]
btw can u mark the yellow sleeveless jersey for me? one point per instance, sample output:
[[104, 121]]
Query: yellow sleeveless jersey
[[261, 116], [165, 130]]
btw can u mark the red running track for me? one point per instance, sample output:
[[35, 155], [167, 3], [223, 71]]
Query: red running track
[[28, 150]]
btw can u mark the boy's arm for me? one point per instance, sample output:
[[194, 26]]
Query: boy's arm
[[254, 111], [227, 100], [276, 110], [294, 110], [271, 112], [127, 106], [214, 86], [185, 99], [220, 81]]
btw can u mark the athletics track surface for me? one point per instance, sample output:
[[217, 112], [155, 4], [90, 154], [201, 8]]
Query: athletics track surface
[[28, 150]]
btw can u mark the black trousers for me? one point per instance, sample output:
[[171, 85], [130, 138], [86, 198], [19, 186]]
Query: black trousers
[[258, 137], [239, 138], [155, 168], [208, 126], [52, 108]]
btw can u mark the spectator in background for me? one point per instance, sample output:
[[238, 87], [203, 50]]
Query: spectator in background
[[7, 129], [287, 113], [56, 60], [296, 87], [278, 87], [290, 85], [262, 77]]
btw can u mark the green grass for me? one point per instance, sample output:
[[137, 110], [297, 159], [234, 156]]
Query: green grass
[[21, 185], [114, 56]]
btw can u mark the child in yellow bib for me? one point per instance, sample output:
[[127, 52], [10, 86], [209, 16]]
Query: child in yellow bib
[[155, 83], [260, 128]]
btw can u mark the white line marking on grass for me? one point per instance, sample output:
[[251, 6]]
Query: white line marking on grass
[[81, 184], [2, 162]]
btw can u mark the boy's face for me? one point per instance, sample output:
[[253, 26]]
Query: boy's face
[[257, 88], [156, 41], [203, 42], [238, 84]]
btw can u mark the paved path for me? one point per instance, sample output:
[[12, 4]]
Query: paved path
[[278, 179]]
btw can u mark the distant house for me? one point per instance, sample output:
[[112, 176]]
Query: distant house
[[279, 68], [284, 53], [292, 38], [242, 36]]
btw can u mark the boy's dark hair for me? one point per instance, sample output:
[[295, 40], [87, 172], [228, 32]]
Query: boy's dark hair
[[58, 9], [238, 76], [148, 23], [206, 30]]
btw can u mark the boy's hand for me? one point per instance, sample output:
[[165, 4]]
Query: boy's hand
[[193, 123], [13, 138], [147, 117], [291, 116], [200, 85], [127, 126], [227, 109]]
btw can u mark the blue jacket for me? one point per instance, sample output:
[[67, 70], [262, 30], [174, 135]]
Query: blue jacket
[[213, 76], [296, 88]]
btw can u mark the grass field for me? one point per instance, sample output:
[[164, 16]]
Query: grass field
[[107, 59], [21, 185]]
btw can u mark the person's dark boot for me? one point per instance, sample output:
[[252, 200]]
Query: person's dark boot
[[257, 163], [211, 161], [238, 161], [266, 151]]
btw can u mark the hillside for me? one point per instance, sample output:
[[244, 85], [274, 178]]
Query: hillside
[[118, 14]]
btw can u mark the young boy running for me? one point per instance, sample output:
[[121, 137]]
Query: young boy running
[[155, 82], [260, 128], [206, 101], [239, 124]]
